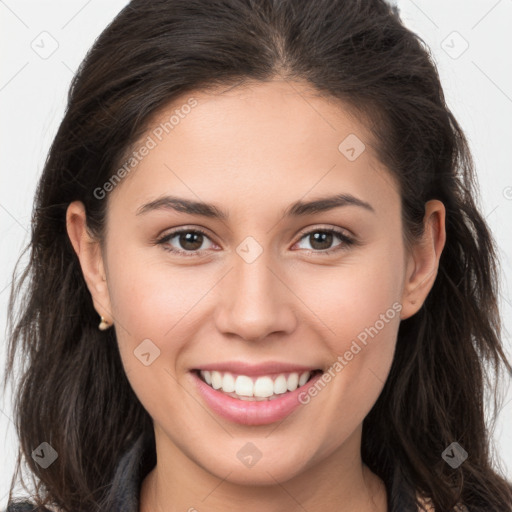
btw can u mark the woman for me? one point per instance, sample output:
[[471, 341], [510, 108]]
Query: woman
[[185, 349]]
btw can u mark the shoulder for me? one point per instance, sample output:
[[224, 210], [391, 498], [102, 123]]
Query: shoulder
[[26, 506], [21, 507]]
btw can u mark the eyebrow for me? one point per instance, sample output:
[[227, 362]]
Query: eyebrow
[[297, 209]]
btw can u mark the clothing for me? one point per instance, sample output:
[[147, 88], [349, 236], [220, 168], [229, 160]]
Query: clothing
[[131, 470], [140, 459]]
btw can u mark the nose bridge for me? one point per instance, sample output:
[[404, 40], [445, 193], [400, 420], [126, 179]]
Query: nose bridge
[[255, 302]]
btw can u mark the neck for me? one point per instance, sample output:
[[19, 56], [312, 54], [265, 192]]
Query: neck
[[338, 482]]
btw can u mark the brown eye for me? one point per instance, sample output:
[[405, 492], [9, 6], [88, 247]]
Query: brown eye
[[191, 240], [321, 240], [188, 241]]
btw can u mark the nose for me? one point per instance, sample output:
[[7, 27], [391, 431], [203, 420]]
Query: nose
[[255, 300]]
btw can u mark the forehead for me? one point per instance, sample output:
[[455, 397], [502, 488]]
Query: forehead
[[254, 143]]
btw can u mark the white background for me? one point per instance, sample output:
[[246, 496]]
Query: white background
[[477, 84]]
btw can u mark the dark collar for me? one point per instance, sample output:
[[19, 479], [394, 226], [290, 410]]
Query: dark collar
[[131, 470]]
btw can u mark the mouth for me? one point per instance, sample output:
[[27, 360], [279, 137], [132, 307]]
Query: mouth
[[256, 388]]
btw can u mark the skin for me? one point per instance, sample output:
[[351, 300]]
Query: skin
[[252, 151]]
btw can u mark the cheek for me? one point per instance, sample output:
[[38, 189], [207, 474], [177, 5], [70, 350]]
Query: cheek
[[362, 308], [152, 305], [150, 296], [363, 292], [362, 354], [364, 318]]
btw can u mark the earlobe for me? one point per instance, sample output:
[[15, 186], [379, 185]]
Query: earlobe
[[423, 259], [89, 254]]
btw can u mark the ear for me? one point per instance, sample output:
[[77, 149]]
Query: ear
[[423, 259], [89, 254]]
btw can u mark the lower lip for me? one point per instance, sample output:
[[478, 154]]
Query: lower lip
[[247, 412]]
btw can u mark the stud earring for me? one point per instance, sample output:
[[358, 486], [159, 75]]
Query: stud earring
[[104, 325]]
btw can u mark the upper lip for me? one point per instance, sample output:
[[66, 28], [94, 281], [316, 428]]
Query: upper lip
[[266, 368]]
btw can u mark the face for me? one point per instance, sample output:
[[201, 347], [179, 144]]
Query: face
[[258, 290]]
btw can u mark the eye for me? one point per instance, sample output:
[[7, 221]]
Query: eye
[[190, 240], [320, 240]]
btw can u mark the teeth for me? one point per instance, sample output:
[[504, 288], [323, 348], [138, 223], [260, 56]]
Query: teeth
[[228, 383], [244, 386], [280, 385], [303, 378], [293, 381], [216, 380], [263, 387], [260, 388]]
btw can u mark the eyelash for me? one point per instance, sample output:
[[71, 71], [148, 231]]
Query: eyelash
[[346, 241]]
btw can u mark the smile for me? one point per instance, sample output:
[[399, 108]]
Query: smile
[[265, 387], [253, 394]]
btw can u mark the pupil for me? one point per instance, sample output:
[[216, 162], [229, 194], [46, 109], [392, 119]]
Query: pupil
[[322, 237], [187, 241]]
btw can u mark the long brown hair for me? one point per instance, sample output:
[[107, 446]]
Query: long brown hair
[[72, 390]]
